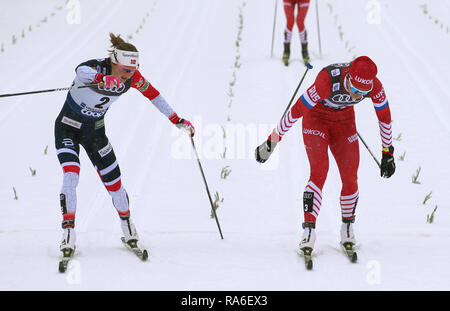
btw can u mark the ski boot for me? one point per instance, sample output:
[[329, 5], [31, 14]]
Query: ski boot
[[130, 235], [307, 243], [305, 53], [348, 240], [131, 238], [68, 240], [286, 53], [67, 248]]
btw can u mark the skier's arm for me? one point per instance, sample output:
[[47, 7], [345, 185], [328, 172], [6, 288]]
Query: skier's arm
[[383, 112], [87, 73], [144, 86], [315, 93], [381, 105], [321, 89]]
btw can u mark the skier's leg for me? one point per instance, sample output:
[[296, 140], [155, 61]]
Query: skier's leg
[[289, 10], [315, 137], [102, 155], [67, 150], [345, 149], [302, 11], [303, 7]]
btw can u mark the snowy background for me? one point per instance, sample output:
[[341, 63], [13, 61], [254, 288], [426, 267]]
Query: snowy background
[[211, 59]]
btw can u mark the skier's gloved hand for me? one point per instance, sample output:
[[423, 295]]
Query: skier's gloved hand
[[263, 151], [387, 162], [182, 124], [109, 81]]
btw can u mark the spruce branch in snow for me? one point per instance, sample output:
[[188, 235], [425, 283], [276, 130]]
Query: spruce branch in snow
[[14, 39], [217, 200], [330, 7], [415, 176], [230, 92], [226, 171], [399, 137], [46, 150], [224, 154], [15, 194], [33, 172], [402, 157], [224, 132], [430, 218], [424, 7], [427, 197]]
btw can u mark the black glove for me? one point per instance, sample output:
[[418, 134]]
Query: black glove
[[387, 162], [263, 151]]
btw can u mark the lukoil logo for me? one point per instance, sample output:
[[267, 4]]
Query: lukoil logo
[[363, 81]]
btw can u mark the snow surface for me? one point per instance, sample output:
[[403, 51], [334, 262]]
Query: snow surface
[[193, 51]]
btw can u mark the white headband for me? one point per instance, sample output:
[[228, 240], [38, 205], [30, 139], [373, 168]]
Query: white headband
[[125, 58]]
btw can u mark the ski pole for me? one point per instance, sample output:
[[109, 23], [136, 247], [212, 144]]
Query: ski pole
[[46, 91], [207, 188], [318, 28], [376, 160], [273, 31], [308, 66]]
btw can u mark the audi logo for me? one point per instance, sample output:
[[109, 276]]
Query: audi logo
[[345, 99], [114, 89]]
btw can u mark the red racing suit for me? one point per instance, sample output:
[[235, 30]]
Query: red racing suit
[[289, 10], [329, 121]]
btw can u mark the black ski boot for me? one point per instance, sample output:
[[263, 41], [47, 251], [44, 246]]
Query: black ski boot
[[286, 53], [305, 53]]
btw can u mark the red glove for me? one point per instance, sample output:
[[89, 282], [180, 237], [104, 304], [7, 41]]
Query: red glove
[[109, 81], [182, 124]]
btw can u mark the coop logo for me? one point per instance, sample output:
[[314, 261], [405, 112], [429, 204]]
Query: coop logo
[[313, 132], [363, 81]]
